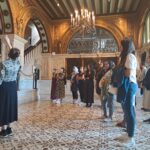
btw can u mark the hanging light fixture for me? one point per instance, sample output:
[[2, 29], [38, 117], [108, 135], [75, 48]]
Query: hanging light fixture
[[84, 21]]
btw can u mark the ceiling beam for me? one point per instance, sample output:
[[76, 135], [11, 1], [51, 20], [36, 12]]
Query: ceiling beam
[[56, 8], [108, 6], [85, 4], [78, 5], [132, 5], [116, 6], [101, 7], [70, 5], [48, 11], [93, 6], [124, 5], [64, 7]]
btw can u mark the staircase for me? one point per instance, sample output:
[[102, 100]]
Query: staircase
[[31, 57], [26, 93]]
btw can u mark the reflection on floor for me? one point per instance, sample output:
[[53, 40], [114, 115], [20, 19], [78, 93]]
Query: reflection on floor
[[45, 126]]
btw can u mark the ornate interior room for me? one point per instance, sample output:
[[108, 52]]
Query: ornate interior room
[[54, 34]]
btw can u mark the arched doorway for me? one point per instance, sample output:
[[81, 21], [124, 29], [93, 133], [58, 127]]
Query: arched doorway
[[35, 34]]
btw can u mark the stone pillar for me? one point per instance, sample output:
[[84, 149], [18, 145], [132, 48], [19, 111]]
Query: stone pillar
[[16, 42]]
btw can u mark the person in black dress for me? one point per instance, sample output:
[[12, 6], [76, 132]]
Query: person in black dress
[[81, 84], [89, 86]]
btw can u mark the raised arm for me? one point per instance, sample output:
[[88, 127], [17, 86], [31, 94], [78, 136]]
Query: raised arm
[[8, 41]]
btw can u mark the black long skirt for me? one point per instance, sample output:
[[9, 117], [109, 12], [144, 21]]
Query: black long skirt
[[89, 88], [82, 90], [8, 103]]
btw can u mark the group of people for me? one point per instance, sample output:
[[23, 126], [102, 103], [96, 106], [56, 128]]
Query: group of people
[[82, 80], [58, 85], [112, 81]]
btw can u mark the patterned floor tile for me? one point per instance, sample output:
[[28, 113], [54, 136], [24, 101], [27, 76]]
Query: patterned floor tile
[[45, 126]]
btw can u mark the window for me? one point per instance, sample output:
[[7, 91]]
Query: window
[[100, 41]]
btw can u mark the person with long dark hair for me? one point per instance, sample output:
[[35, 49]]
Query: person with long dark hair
[[8, 91], [89, 86], [128, 90]]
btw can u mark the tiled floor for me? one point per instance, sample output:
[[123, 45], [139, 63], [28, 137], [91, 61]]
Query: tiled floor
[[45, 126]]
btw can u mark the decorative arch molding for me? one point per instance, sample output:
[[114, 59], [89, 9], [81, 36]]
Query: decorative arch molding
[[141, 28], [43, 35], [6, 17], [28, 14], [114, 30]]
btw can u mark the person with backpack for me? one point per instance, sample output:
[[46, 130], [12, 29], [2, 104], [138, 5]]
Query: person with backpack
[[127, 89], [107, 94]]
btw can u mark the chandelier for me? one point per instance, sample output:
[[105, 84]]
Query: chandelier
[[84, 21]]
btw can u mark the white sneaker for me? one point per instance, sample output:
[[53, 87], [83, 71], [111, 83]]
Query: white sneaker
[[129, 143], [107, 120], [122, 138], [58, 101]]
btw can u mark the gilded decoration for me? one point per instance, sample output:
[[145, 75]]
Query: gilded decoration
[[25, 3]]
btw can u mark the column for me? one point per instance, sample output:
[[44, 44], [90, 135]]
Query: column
[[15, 41]]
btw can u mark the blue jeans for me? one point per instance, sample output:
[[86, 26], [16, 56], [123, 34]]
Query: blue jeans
[[123, 108], [111, 104], [108, 101], [129, 109]]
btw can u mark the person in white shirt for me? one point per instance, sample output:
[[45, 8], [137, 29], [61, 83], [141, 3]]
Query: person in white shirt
[[130, 84]]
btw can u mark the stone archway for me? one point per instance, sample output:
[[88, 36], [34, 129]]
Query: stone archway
[[31, 14], [42, 33], [114, 30]]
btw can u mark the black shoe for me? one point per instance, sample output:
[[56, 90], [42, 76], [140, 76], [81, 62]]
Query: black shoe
[[3, 133], [9, 131], [147, 120], [90, 105]]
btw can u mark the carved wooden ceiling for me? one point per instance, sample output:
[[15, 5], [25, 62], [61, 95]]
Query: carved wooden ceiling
[[61, 9]]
